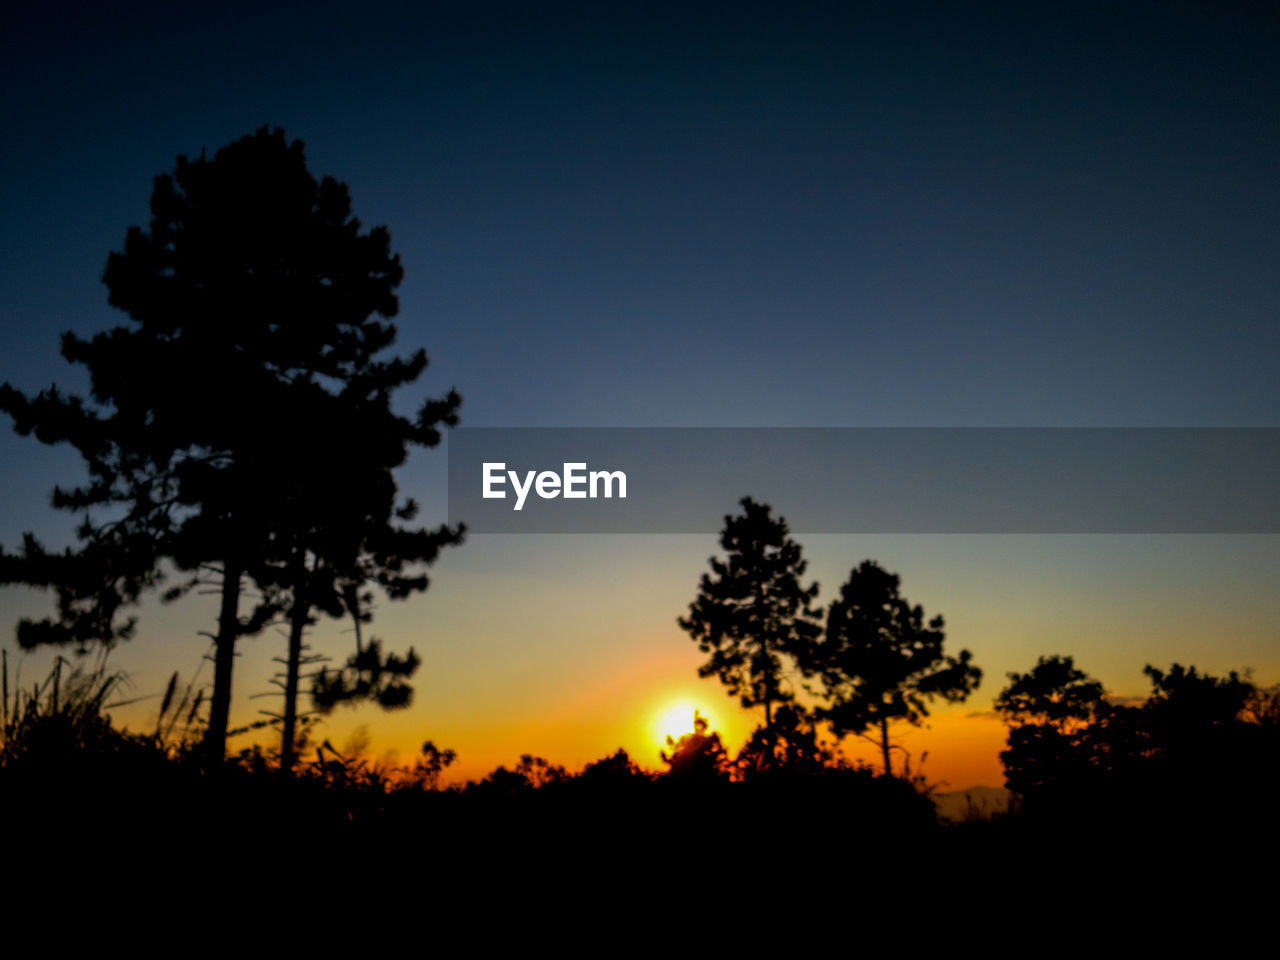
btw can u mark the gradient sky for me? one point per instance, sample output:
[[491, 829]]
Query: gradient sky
[[713, 215]]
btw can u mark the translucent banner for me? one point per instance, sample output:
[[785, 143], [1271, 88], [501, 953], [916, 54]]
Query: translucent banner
[[867, 480]]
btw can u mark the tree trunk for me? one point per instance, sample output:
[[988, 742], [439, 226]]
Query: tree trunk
[[224, 660], [769, 680], [884, 746], [297, 623]]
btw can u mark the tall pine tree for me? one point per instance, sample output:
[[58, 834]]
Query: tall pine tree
[[240, 408], [752, 614], [881, 662]]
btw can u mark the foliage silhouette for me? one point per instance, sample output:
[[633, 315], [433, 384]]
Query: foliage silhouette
[[1185, 706], [792, 748], [880, 662], [1054, 692], [92, 584], [1198, 747], [345, 530], [431, 765], [753, 616], [698, 755], [539, 771], [369, 674], [59, 716], [1052, 711], [242, 425], [617, 768]]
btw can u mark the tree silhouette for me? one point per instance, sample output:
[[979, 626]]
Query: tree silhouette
[[792, 747], [1195, 736], [431, 765], [539, 771], [880, 662], [1184, 704], [1050, 711], [340, 529], [92, 585], [1055, 692], [753, 616], [237, 411], [698, 756], [612, 773]]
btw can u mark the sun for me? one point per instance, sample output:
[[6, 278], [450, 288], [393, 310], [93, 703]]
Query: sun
[[674, 720]]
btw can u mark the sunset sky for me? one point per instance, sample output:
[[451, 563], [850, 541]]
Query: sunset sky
[[710, 215]]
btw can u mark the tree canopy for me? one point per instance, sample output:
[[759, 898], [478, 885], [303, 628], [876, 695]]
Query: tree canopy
[[880, 661], [242, 422], [752, 614], [1194, 734], [1055, 692]]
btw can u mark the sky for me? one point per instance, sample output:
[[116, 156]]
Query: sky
[[710, 215]]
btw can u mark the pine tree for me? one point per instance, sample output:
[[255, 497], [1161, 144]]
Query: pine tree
[[753, 616], [880, 662], [241, 423]]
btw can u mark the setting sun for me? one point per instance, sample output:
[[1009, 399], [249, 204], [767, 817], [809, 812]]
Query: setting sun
[[675, 720]]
